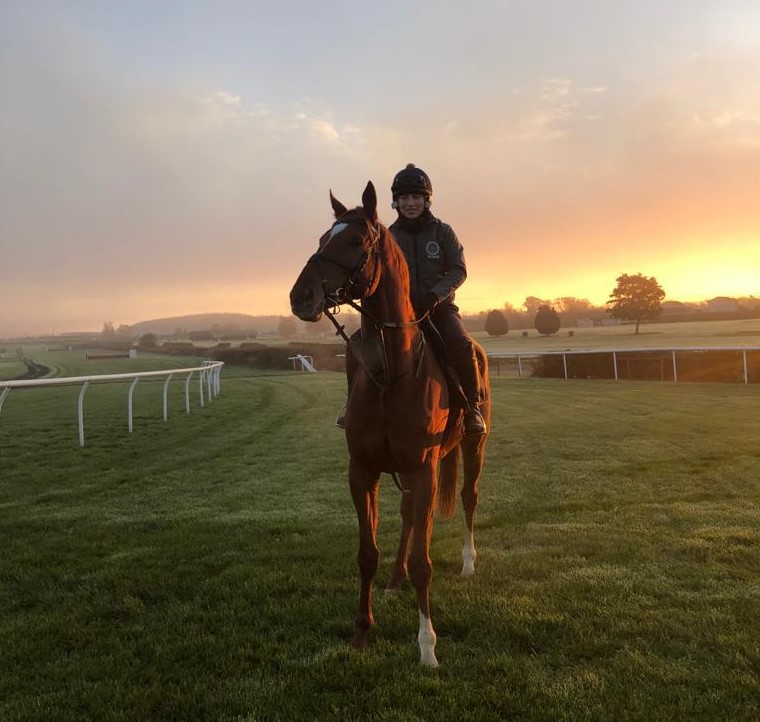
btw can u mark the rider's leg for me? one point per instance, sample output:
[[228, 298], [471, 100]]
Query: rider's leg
[[460, 350]]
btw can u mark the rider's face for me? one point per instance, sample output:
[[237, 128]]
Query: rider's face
[[411, 205]]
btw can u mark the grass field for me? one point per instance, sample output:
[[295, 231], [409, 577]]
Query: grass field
[[204, 568]]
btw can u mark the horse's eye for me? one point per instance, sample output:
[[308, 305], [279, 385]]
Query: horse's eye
[[356, 241]]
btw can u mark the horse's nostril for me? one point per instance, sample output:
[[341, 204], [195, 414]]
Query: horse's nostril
[[301, 296]]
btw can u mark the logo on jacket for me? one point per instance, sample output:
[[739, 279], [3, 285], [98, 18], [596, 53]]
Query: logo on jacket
[[433, 250]]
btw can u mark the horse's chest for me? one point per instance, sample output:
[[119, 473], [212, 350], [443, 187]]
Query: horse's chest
[[400, 444]]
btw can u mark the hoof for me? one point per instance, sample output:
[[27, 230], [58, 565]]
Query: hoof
[[468, 570], [360, 640], [361, 631], [395, 582], [428, 659]]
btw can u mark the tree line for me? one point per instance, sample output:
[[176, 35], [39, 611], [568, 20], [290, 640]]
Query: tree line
[[635, 298]]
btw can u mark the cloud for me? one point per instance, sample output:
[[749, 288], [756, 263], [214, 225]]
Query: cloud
[[111, 170], [119, 184]]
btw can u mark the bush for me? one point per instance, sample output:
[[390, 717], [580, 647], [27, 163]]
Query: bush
[[547, 321], [496, 324]]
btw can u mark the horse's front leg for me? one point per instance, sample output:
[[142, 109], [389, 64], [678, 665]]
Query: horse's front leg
[[399, 573], [420, 565], [473, 452], [363, 485]]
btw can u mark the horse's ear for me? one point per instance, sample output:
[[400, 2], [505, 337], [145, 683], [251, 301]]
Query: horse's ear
[[369, 201], [337, 206]]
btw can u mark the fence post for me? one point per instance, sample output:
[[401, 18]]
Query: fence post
[[80, 410], [129, 403], [187, 392], [5, 393], [166, 397]]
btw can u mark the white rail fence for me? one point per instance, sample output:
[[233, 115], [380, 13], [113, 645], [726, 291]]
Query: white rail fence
[[669, 353], [306, 363], [209, 377]]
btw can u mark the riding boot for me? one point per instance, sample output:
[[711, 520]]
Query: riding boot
[[351, 366], [474, 423]]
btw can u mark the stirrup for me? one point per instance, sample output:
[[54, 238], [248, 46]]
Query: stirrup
[[474, 423], [340, 419]]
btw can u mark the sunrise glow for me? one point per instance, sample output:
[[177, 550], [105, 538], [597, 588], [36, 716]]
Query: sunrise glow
[[192, 168]]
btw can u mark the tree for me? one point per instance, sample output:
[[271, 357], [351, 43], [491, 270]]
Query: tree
[[547, 320], [147, 341], [636, 298], [287, 326], [496, 323], [571, 307], [323, 327], [109, 332], [532, 303], [570, 304]]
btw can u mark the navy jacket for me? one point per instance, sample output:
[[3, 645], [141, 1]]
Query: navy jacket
[[435, 258]]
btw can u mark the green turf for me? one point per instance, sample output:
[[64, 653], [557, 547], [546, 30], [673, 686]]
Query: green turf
[[204, 568]]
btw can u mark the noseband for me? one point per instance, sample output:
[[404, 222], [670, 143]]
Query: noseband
[[352, 289]]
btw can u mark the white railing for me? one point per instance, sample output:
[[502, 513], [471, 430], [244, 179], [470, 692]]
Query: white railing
[[209, 375], [671, 352], [307, 363]]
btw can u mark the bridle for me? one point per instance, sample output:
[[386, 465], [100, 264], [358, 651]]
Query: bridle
[[352, 291]]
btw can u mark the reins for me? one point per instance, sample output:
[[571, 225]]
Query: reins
[[343, 296], [379, 325]]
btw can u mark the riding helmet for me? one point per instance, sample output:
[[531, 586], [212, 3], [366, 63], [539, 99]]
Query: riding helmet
[[411, 180]]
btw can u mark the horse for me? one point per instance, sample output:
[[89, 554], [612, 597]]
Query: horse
[[401, 417]]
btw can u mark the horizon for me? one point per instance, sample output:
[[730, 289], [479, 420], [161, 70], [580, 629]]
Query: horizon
[[520, 310], [161, 160]]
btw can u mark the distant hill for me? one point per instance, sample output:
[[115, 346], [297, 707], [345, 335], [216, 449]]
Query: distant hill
[[226, 322]]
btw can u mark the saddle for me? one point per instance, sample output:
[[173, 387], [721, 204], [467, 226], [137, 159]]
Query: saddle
[[370, 355], [435, 340]]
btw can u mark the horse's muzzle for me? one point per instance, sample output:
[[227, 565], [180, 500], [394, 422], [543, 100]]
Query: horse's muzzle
[[304, 303], [311, 318]]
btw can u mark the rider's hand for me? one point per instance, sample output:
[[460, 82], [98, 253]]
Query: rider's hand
[[431, 301]]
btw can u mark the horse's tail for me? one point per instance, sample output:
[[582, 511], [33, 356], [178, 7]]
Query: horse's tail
[[447, 483]]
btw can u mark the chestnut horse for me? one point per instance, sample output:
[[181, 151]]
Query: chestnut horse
[[399, 418]]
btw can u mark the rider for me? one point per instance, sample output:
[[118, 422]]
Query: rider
[[436, 269]]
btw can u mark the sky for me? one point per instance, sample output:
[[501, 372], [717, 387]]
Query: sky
[[167, 158]]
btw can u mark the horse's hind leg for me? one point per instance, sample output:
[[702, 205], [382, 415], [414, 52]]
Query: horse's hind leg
[[364, 494], [473, 452], [399, 573], [420, 566]]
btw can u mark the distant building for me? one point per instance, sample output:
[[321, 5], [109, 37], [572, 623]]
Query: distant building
[[669, 307], [589, 322], [722, 304]]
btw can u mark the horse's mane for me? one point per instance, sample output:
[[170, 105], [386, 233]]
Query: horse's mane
[[390, 250], [396, 258]]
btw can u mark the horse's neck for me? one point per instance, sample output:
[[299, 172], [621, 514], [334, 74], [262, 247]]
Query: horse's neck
[[390, 304]]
